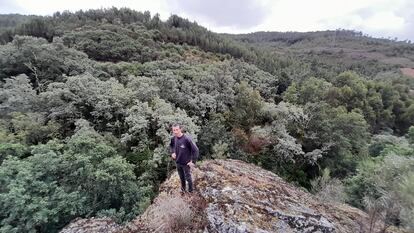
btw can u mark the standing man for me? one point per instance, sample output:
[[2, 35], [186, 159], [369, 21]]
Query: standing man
[[185, 152]]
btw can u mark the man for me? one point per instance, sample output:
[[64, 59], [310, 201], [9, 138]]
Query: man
[[185, 152]]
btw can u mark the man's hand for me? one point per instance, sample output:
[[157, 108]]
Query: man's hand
[[173, 156], [191, 164]]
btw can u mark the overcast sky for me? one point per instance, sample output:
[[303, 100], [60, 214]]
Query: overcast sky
[[379, 18]]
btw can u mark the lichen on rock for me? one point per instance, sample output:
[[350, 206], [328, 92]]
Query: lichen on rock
[[234, 196]]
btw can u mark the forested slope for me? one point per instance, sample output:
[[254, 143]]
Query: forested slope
[[87, 100]]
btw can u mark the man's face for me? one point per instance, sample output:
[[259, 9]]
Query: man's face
[[176, 131]]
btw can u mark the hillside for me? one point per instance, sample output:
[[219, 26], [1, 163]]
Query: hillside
[[87, 100], [233, 196], [341, 48]]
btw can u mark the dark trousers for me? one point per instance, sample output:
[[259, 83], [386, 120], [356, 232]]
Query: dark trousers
[[185, 175]]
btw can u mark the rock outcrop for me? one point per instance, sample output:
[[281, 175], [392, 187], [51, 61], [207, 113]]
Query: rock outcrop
[[233, 196]]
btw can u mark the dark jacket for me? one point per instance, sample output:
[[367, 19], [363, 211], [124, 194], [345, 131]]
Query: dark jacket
[[184, 148]]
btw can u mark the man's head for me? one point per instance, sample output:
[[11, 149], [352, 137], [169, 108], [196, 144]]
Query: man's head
[[177, 130]]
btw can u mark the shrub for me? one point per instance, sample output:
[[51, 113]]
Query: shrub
[[169, 214]]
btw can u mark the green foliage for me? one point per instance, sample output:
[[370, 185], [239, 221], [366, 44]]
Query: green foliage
[[214, 137], [247, 106], [111, 43], [32, 128], [43, 62], [343, 135], [62, 181], [327, 188], [20, 130], [410, 135], [350, 136], [350, 91], [17, 95], [382, 184], [384, 144], [13, 149], [137, 120], [332, 52], [407, 200], [31, 203], [311, 90], [84, 96], [12, 20], [87, 100]]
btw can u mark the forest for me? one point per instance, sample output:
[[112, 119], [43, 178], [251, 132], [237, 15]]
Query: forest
[[87, 100]]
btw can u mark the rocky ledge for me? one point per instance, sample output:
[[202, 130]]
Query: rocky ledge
[[234, 196]]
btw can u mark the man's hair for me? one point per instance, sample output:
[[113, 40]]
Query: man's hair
[[177, 125]]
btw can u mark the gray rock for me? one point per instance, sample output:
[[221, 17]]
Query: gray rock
[[234, 196]]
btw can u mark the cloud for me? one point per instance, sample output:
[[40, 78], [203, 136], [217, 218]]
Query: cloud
[[239, 14], [379, 18], [8, 7], [407, 12]]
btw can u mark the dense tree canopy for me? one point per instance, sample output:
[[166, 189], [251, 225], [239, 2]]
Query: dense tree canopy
[[87, 100]]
